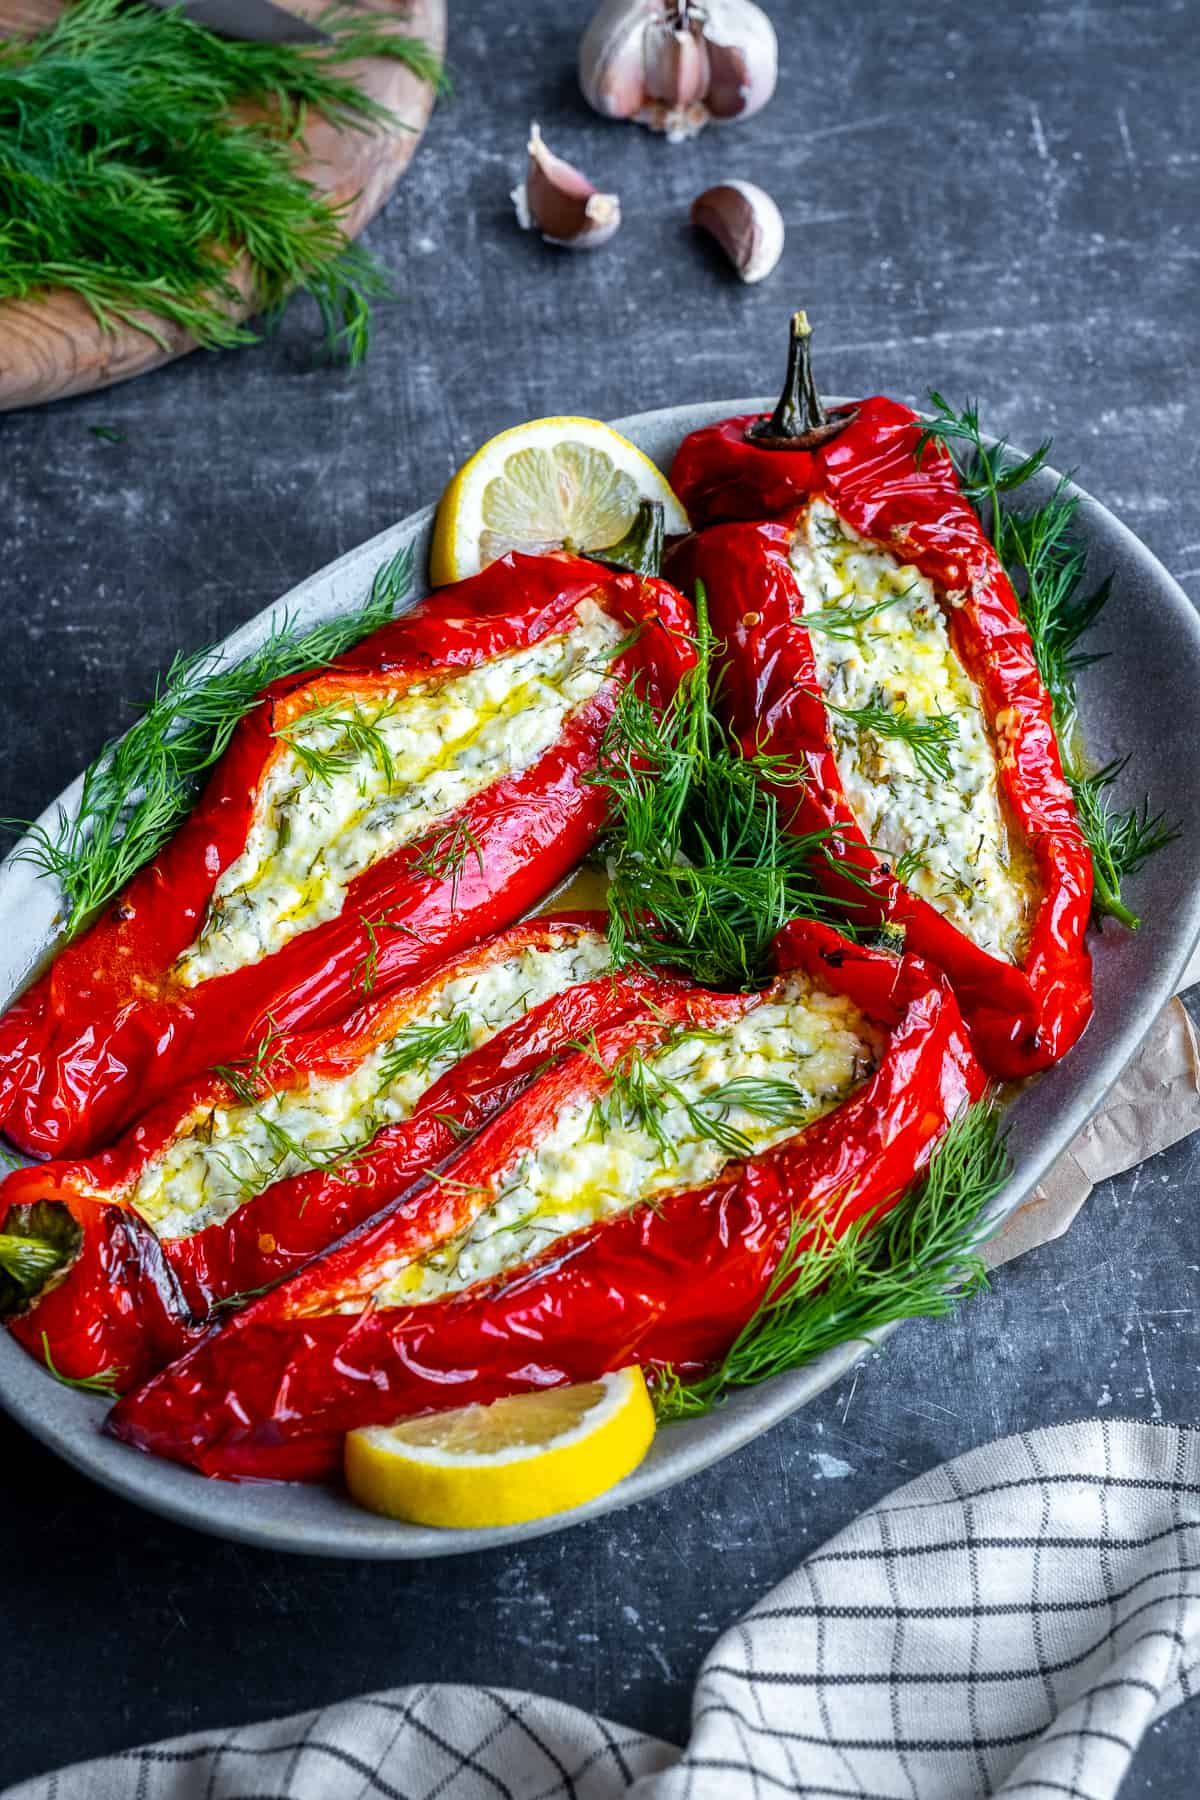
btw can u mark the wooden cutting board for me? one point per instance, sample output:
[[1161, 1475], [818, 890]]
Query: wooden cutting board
[[52, 346]]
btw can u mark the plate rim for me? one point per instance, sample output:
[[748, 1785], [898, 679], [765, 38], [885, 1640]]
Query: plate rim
[[180, 1495]]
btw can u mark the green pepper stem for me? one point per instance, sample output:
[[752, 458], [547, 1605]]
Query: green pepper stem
[[641, 549], [799, 410], [799, 422]]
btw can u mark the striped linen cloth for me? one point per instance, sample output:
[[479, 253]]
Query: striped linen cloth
[[1010, 1623]]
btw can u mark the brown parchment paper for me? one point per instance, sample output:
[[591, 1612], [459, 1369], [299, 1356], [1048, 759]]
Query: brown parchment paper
[[1154, 1105]]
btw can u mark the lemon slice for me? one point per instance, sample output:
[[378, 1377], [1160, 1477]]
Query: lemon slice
[[517, 1459], [546, 485]]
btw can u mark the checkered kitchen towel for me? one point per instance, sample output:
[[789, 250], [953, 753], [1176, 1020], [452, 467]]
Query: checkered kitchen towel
[[1010, 1624]]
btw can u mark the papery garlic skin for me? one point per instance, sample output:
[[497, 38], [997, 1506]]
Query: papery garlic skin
[[561, 203], [677, 65], [747, 224]]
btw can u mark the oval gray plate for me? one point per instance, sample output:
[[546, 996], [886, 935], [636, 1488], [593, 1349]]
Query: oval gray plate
[[1144, 700]]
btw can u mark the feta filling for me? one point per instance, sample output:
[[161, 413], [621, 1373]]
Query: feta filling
[[946, 838], [354, 782], [230, 1153], [604, 1158]]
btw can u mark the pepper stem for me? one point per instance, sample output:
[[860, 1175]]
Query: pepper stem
[[799, 421], [799, 409], [38, 1244], [641, 549]]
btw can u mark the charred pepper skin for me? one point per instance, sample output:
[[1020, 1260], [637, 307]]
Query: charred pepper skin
[[1021, 1019], [108, 1030], [132, 1301], [270, 1395]]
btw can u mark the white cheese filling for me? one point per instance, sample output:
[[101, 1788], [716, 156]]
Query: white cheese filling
[[355, 782], [600, 1159], [230, 1153], [886, 646]]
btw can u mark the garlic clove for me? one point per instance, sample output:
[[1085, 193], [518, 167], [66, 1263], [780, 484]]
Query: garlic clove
[[612, 61], [743, 58], [561, 203], [675, 61], [676, 77], [747, 224]]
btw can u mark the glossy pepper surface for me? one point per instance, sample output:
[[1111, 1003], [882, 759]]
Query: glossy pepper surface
[[110, 1027], [271, 1394], [132, 1300], [1021, 1018]]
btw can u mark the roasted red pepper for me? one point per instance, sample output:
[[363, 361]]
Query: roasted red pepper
[[671, 1280], [864, 463], [112, 1026], [130, 1300]]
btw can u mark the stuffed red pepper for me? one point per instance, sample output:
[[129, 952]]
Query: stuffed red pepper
[[871, 636], [629, 1207], [243, 1175], [422, 790]]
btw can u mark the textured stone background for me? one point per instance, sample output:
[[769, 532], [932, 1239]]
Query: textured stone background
[[995, 201]]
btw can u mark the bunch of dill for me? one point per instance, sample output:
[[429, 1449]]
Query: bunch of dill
[[144, 161], [1046, 561]]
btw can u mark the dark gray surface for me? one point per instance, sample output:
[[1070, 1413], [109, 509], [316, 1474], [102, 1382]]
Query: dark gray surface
[[996, 203]]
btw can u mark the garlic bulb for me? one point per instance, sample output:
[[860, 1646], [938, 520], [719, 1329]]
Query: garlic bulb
[[746, 223], [674, 65], [562, 204]]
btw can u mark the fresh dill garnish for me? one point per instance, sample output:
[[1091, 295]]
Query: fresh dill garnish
[[250, 1082], [252, 1175], [417, 1046], [365, 971], [928, 738], [844, 622], [454, 1126], [640, 1095], [448, 853], [917, 1261], [143, 784], [227, 1303], [358, 738], [911, 862], [1120, 840], [134, 173], [702, 869], [249, 1078], [104, 1383], [985, 470], [1047, 565]]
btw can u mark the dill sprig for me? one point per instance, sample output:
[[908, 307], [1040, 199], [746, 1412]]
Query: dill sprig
[[358, 739], [248, 1079], [104, 1383], [418, 1046], [1047, 565], [448, 853], [132, 174], [918, 1261], [928, 738], [641, 1096], [702, 869], [142, 784], [845, 620], [365, 971]]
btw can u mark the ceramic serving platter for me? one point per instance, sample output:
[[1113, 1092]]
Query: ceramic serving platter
[[1144, 699]]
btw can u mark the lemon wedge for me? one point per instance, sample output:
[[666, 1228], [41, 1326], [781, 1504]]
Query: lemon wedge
[[517, 1459], [547, 485]]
